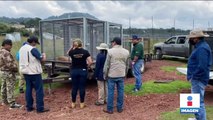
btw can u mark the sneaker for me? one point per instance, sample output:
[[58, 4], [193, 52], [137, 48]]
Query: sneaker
[[21, 90], [135, 90], [15, 105], [98, 103], [192, 119]]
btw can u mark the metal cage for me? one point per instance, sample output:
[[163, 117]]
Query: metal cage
[[57, 34]]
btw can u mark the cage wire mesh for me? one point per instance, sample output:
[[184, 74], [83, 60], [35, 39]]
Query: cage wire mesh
[[47, 43], [95, 37], [114, 31], [58, 35]]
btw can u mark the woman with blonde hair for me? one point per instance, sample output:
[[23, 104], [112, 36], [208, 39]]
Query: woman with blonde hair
[[74, 45], [81, 60]]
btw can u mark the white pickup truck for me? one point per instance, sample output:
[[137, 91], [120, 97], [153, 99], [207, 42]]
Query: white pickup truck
[[184, 71]]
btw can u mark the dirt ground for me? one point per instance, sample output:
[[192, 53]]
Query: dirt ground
[[147, 107]]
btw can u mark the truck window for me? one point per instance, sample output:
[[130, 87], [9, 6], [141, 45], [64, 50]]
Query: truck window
[[181, 40], [171, 40]]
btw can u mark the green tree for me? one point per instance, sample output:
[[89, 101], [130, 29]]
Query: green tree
[[34, 22], [3, 28]]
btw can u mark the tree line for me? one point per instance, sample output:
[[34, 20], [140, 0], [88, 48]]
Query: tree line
[[156, 32], [5, 27]]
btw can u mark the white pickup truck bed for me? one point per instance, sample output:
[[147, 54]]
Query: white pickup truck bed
[[184, 71]]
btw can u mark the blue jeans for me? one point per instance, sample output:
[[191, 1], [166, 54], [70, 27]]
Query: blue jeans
[[137, 73], [119, 82], [79, 79], [34, 81], [199, 87]]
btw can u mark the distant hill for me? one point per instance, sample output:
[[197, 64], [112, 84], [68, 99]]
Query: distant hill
[[8, 20], [160, 33], [70, 15], [28, 22]]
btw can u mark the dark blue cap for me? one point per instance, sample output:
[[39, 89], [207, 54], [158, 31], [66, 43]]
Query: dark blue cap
[[135, 37]]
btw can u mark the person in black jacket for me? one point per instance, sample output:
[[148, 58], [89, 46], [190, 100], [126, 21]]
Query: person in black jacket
[[102, 85]]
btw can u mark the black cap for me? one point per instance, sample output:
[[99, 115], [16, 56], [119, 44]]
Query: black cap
[[117, 40], [33, 39], [7, 42]]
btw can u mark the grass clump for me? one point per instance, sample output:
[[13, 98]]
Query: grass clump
[[168, 68], [172, 69], [158, 88]]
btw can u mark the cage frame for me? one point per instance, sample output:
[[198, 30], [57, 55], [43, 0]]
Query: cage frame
[[84, 22]]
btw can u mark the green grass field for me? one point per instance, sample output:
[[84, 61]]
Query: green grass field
[[168, 68], [158, 88], [175, 115], [172, 69]]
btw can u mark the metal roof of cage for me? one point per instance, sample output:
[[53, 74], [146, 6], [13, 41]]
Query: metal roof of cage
[[73, 20]]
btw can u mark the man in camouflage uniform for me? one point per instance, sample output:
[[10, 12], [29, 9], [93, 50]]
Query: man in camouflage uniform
[[8, 69]]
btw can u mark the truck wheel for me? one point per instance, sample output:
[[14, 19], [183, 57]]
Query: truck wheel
[[159, 54]]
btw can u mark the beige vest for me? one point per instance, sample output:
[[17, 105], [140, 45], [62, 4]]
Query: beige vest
[[116, 64], [28, 64]]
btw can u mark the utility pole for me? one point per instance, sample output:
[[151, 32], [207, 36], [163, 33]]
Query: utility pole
[[130, 31], [208, 25], [193, 24], [152, 29], [174, 27]]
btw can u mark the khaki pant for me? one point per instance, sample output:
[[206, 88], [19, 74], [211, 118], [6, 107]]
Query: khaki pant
[[21, 81], [8, 81], [102, 91]]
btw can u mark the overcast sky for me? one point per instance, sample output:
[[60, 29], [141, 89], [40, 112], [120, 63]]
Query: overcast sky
[[165, 14]]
